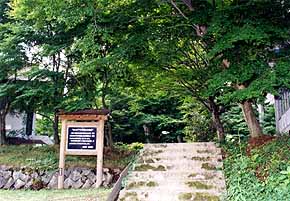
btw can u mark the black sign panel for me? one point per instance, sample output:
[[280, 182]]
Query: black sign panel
[[81, 138]]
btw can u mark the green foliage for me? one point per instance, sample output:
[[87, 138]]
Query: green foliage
[[246, 41], [197, 120], [264, 175], [136, 146], [44, 126], [269, 123], [145, 61], [235, 124], [160, 114]]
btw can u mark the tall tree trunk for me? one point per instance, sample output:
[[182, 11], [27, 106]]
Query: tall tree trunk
[[110, 136], [147, 133], [249, 115], [29, 123], [2, 128], [57, 95], [55, 129], [251, 120], [4, 108], [179, 139], [216, 120]]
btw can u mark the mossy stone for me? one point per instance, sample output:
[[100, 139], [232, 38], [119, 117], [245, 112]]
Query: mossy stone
[[198, 185], [151, 184], [205, 151], [205, 197], [146, 167], [198, 158], [160, 168], [135, 185], [132, 195], [149, 161], [208, 166], [185, 196], [192, 175], [141, 184]]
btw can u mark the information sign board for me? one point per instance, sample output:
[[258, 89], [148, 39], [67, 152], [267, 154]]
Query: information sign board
[[81, 138]]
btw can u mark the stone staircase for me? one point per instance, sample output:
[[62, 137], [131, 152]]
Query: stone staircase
[[176, 172]]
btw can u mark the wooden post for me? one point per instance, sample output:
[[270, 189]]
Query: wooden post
[[62, 155], [100, 148]]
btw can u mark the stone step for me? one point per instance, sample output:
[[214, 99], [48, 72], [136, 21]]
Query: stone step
[[174, 166], [177, 156], [180, 151], [184, 145], [178, 175], [173, 158], [169, 194], [187, 184], [181, 146], [198, 150]]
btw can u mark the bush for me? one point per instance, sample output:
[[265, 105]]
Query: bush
[[261, 176], [135, 146]]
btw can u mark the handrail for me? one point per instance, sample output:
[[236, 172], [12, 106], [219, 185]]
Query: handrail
[[118, 185]]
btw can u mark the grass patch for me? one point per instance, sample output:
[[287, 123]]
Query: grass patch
[[55, 195], [47, 157], [198, 185], [263, 175]]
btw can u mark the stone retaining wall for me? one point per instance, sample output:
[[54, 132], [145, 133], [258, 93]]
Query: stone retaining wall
[[24, 178]]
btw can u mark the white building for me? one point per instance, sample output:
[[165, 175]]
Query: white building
[[16, 127], [282, 111], [16, 124]]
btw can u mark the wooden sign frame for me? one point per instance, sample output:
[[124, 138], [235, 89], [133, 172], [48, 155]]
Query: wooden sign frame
[[90, 120]]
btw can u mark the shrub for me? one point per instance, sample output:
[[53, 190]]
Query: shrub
[[263, 175]]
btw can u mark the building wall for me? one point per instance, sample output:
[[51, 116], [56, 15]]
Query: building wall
[[284, 122], [282, 111]]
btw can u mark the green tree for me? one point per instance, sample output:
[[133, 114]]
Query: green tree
[[239, 39], [50, 42], [12, 59]]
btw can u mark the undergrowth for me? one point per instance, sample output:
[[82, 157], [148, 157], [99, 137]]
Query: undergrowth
[[261, 175]]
